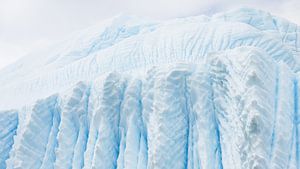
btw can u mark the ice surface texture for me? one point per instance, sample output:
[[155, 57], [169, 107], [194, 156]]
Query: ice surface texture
[[195, 93]]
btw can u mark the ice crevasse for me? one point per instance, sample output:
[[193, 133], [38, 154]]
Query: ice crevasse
[[191, 93]]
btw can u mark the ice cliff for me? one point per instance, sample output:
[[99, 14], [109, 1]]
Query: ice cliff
[[190, 93]]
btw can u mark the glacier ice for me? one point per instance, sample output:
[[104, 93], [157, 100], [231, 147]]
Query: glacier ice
[[197, 92], [8, 127]]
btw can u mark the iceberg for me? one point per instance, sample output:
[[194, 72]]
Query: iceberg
[[190, 93]]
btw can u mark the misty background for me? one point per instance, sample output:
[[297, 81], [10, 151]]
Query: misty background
[[29, 24]]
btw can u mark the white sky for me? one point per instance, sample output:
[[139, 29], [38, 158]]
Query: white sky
[[28, 24]]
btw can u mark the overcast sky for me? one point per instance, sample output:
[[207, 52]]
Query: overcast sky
[[29, 24]]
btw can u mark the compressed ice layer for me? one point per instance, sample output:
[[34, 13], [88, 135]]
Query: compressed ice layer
[[238, 109]]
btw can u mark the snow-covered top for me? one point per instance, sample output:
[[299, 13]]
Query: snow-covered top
[[131, 44]]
